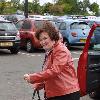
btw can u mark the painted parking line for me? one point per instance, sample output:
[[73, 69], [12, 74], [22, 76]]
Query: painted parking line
[[31, 55], [77, 52], [39, 55], [75, 58]]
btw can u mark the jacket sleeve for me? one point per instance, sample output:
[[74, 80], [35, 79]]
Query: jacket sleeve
[[60, 59]]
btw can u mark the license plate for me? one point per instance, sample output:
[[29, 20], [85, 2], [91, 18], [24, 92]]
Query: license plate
[[83, 40], [3, 44]]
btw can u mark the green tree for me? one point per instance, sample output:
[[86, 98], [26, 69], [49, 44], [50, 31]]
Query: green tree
[[86, 5], [47, 7], [70, 6], [56, 9], [2, 6], [15, 3], [94, 7], [36, 6]]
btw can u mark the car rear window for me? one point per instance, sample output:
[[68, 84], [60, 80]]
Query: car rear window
[[39, 24], [79, 25], [7, 26], [26, 25]]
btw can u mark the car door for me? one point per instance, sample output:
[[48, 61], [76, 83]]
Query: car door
[[25, 32], [97, 35], [62, 28], [88, 70]]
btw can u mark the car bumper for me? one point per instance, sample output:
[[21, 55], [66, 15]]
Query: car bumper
[[9, 44]]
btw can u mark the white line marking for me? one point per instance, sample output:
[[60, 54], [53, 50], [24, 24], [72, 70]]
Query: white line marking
[[39, 55], [75, 58], [31, 55], [76, 52]]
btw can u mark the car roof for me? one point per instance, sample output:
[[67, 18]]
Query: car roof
[[70, 21], [3, 20]]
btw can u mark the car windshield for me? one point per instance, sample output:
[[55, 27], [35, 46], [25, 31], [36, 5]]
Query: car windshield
[[81, 25], [5, 26]]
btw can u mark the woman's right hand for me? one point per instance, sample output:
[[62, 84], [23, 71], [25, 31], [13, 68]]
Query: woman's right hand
[[27, 78]]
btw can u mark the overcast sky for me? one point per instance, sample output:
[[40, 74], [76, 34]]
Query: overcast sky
[[51, 1]]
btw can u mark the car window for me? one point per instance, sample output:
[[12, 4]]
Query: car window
[[20, 17], [97, 35], [62, 26], [81, 25], [26, 25], [19, 24], [8, 26], [38, 24]]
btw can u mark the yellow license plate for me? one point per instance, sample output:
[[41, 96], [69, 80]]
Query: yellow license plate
[[3, 44], [83, 40]]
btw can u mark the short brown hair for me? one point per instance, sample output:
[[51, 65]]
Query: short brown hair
[[49, 28]]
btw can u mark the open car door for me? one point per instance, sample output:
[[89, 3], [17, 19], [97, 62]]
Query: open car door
[[88, 70]]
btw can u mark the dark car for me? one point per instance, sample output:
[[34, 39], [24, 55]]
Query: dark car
[[88, 71], [9, 36]]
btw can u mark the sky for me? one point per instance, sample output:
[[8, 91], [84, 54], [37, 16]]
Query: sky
[[51, 1], [42, 1]]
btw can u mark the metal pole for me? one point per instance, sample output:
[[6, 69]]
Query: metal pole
[[26, 8]]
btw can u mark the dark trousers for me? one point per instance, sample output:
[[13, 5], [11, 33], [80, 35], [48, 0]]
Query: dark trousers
[[72, 96]]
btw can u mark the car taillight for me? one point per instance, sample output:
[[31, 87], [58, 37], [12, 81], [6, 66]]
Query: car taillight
[[74, 34], [18, 36]]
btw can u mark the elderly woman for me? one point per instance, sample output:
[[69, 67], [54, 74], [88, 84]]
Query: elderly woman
[[58, 76]]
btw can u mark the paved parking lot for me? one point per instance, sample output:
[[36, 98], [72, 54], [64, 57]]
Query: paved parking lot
[[12, 69]]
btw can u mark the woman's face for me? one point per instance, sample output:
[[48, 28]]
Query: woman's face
[[45, 41]]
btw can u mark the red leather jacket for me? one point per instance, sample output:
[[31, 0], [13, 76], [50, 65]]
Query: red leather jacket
[[58, 75]]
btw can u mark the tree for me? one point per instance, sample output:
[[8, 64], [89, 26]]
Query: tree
[[86, 5], [2, 6], [94, 7], [47, 7], [15, 3], [36, 6], [70, 6], [56, 9]]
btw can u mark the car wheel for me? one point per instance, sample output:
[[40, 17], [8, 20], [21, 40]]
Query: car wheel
[[66, 43], [91, 46], [14, 50], [29, 46], [94, 95]]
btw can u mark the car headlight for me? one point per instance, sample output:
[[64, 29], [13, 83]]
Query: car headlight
[[17, 36]]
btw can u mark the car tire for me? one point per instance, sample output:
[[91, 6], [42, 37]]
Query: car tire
[[91, 46], [29, 46], [14, 50], [94, 95]]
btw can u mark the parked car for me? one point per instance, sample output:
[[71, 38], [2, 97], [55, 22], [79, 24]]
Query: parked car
[[14, 17], [90, 22], [74, 32], [9, 36], [27, 29], [88, 70]]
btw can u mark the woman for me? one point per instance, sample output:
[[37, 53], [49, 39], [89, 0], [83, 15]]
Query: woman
[[58, 76]]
